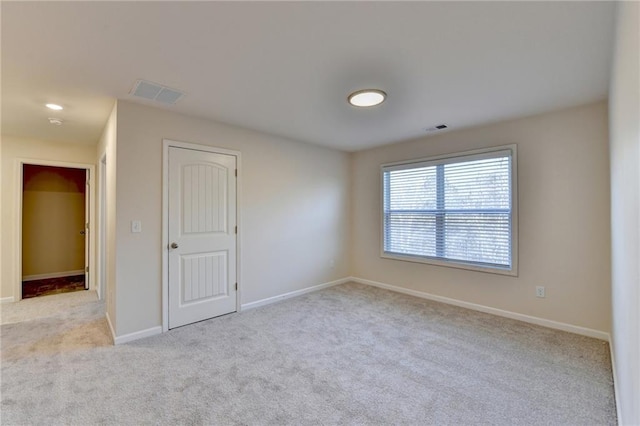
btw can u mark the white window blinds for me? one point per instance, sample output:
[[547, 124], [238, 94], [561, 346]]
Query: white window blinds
[[455, 209]]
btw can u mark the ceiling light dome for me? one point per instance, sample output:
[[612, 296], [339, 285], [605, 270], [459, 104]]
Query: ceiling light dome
[[367, 98], [54, 107]]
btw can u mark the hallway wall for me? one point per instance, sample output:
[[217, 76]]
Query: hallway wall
[[12, 150]]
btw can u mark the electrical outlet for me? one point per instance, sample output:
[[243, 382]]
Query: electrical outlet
[[539, 291]]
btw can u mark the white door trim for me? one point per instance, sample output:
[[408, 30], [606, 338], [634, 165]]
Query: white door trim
[[101, 241], [166, 144], [19, 166]]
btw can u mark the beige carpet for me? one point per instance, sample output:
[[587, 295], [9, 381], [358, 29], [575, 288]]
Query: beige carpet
[[350, 354], [46, 306]]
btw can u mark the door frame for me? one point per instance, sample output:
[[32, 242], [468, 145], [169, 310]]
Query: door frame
[[101, 240], [20, 163], [166, 144]]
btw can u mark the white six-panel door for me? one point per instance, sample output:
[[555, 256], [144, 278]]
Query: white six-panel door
[[202, 235]]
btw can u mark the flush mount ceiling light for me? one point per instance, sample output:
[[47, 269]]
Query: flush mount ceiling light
[[54, 107], [367, 98]]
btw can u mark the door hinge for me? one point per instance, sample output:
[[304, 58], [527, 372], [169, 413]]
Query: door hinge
[[86, 225], [86, 269], [236, 229], [236, 172], [236, 286]]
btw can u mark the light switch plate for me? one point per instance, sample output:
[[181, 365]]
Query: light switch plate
[[136, 226]]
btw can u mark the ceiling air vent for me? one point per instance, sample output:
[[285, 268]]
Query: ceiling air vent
[[436, 128], [156, 92]]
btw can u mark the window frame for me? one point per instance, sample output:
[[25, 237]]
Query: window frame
[[471, 155]]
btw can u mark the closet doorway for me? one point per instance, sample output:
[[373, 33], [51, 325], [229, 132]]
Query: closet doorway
[[54, 230]]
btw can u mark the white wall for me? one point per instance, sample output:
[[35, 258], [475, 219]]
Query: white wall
[[624, 113], [107, 147], [294, 214], [13, 149], [564, 240]]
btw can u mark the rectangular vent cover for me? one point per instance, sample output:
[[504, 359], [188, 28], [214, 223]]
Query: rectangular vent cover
[[436, 128], [156, 92]]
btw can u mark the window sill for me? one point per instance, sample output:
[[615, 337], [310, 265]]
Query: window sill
[[513, 272]]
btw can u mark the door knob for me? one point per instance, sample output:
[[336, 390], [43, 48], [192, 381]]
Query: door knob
[[174, 245], [81, 232]]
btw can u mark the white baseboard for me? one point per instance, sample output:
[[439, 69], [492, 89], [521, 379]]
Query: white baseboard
[[291, 294], [52, 275], [489, 310], [113, 332], [616, 392], [119, 340], [9, 299]]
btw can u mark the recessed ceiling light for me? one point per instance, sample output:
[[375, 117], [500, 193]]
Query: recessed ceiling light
[[54, 107], [55, 121], [367, 98]]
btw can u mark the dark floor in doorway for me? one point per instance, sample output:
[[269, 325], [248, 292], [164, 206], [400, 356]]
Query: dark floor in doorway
[[52, 286]]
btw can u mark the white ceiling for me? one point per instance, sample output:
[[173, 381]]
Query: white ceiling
[[286, 68]]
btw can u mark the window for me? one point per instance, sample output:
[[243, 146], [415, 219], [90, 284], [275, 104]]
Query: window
[[455, 210]]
